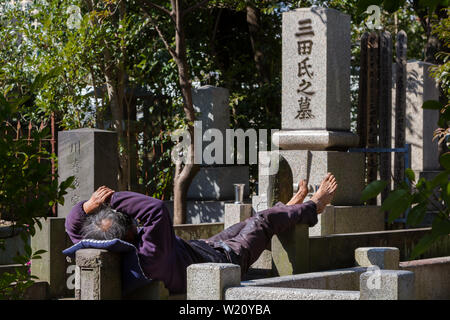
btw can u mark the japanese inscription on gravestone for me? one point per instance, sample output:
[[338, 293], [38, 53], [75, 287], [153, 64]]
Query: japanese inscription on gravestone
[[305, 72], [75, 150], [90, 156]]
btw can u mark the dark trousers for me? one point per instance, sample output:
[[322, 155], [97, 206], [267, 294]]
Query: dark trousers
[[248, 239]]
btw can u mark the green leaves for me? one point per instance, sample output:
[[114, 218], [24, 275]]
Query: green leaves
[[410, 175], [373, 189], [432, 105], [417, 214], [396, 203], [444, 160], [440, 228]]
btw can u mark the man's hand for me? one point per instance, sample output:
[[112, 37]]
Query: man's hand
[[99, 197]]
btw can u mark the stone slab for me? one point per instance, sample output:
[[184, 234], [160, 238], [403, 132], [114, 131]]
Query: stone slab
[[326, 82], [90, 155], [208, 281], [263, 293], [341, 279], [314, 139], [348, 219]]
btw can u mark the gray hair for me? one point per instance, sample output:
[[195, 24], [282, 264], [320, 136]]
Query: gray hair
[[94, 229]]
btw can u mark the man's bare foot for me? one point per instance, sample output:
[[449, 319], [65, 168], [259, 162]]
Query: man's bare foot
[[326, 192], [300, 195]]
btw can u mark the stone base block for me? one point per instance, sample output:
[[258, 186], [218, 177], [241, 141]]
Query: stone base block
[[348, 169], [208, 281], [348, 219], [98, 275], [216, 183], [315, 139]]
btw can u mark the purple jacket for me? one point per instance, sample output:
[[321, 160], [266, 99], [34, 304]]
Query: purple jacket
[[163, 256]]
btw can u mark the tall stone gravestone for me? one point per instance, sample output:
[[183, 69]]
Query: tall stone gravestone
[[315, 133], [90, 155], [420, 123]]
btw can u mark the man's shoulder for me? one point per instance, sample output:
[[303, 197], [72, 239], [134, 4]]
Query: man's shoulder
[[131, 195]]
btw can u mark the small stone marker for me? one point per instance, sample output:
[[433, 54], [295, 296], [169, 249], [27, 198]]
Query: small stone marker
[[208, 281], [383, 257], [236, 212], [98, 275], [387, 285]]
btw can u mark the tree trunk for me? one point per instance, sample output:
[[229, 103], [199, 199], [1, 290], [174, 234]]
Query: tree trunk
[[254, 28], [183, 173]]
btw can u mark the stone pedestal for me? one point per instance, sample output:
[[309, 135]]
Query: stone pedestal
[[208, 281], [91, 156], [348, 169], [97, 275]]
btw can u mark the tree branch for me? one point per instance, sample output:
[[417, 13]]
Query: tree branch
[[157, 6], [161, 35], [195, 6]]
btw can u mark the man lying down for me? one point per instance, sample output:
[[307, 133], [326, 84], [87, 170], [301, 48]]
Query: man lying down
[[163, 256]]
